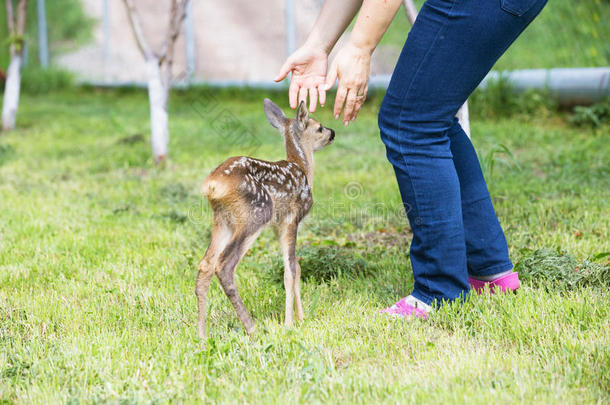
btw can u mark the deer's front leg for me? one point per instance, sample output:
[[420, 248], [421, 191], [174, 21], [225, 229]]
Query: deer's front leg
[[288, 242], [297, 292]]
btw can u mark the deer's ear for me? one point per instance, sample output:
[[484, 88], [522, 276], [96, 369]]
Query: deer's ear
[[274, 114], [302, 116]]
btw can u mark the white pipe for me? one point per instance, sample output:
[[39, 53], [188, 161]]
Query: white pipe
[[575, 86], [570, 86]]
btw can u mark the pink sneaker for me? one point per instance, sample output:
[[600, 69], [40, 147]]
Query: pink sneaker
[[509, 282], [405, 310]]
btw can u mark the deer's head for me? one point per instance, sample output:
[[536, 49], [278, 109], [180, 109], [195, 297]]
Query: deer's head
[[302, 132]]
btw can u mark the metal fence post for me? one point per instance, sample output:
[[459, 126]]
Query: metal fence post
[[190, 42], [106, 49], [43, 40], [290, 27]]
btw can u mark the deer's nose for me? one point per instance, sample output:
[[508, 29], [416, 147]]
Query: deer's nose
[[332, 134]]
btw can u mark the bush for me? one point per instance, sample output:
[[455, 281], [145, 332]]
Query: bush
[[323, 264], [500, 100], [37, 81]]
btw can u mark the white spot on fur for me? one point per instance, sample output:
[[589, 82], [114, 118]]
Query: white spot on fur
[[288, 218]]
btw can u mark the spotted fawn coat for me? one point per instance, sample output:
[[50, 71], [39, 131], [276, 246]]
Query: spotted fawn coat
[[247, 194]]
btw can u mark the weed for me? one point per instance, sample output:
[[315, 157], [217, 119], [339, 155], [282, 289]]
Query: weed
[[6, 152], [320, 264], [593, 116], [560, 270], [498, 154]]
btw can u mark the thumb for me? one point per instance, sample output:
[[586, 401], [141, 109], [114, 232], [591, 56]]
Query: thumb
[[284, 70], [331, 77]]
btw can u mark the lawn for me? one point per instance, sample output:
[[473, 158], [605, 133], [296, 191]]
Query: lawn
[[99, 249]]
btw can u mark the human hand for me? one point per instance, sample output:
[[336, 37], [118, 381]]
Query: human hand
[[308, 66], [351, 66]]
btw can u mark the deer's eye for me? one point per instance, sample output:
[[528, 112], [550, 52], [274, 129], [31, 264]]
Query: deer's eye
[[320, 128]]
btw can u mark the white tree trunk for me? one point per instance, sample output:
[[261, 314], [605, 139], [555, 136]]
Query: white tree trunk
[[157, 96], [462, 115], [11, 93]]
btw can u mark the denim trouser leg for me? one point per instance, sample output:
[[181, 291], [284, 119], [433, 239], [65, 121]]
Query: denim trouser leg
[[486, 249], [451, 47]]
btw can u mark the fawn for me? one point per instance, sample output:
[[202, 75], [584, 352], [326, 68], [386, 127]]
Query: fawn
[[246, 194]]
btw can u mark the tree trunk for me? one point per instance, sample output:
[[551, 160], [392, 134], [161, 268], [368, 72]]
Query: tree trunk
[[464, 119], [159, 80], [158, 94], [16, 33], [11, 92]]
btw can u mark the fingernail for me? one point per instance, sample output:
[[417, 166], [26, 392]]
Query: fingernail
[[345, 122], [353, 118], [336, 116]]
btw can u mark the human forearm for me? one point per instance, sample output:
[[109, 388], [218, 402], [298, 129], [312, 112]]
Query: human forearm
[[334, 18], [373, 20]]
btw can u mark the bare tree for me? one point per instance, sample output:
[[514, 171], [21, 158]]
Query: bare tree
[[159, 68], [16, 32]]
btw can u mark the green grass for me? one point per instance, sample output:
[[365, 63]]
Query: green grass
[[98, 256]]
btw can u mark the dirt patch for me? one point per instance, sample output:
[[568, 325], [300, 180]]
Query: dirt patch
[[388, 238]]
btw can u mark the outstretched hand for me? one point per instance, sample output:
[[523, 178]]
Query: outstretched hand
[[308, 67], [351, 66], [310, 79]]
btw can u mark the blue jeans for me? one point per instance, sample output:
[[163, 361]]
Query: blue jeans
[[450, 49]]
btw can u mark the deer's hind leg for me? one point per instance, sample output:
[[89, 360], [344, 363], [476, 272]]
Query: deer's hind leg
[[221, 235], [250, 221], [229, 259]]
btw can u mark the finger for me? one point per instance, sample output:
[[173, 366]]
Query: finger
[[284, 70], [313, 99], [303, 95], [322, 95], [293, 91], [339, 99], [360, 100], [350, 104], [331, 77]]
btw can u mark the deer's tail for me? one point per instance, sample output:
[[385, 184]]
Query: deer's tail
[[214, 189]]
